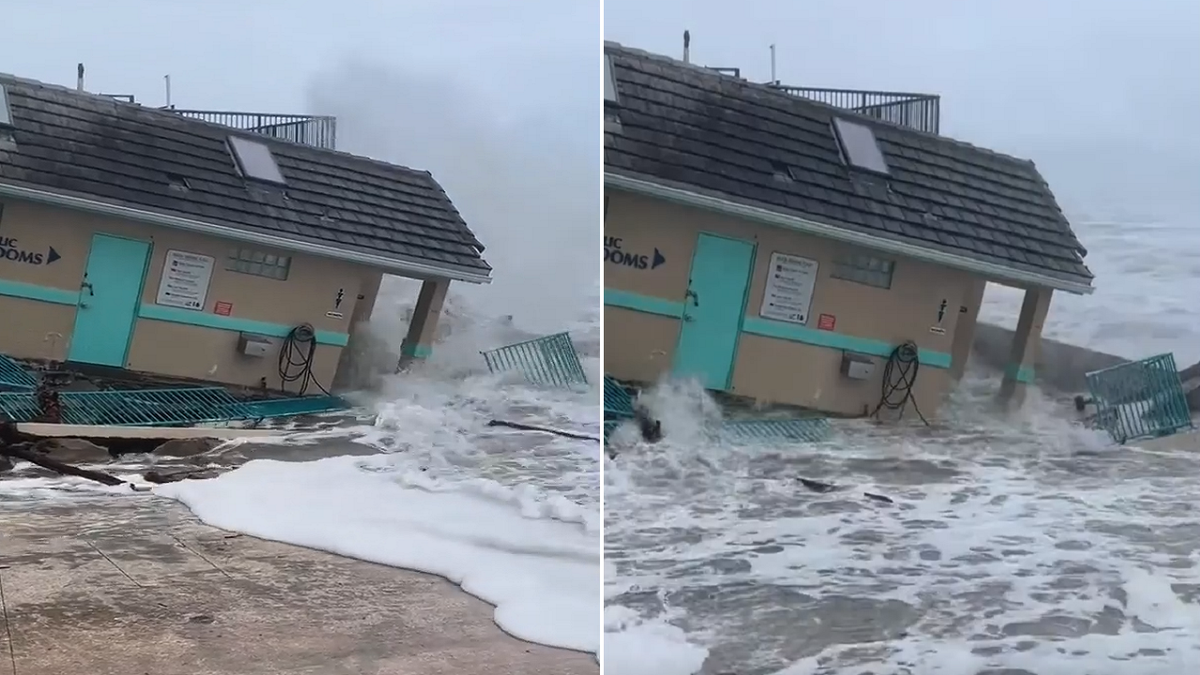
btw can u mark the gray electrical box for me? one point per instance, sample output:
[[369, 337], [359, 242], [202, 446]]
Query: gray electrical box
[[254, 345], [857, 366]]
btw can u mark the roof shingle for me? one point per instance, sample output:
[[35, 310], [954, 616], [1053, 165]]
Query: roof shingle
[[127, 154], [684, 125]]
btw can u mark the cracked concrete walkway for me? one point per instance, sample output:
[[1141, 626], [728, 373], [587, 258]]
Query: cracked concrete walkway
[[138, 586]]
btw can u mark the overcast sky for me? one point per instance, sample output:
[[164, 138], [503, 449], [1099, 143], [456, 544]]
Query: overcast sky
[[501, 101], [1101, 94]]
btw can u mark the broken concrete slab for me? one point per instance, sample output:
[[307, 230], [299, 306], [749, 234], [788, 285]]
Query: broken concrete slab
[[174, 476], [137, 584], [187, 447], [1063, 367], [72, 450], [1059, 366]]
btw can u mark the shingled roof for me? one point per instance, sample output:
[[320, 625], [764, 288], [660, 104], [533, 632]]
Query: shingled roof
[[103, 153], [697, 131]]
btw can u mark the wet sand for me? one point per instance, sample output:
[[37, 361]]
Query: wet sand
[[137, 585]]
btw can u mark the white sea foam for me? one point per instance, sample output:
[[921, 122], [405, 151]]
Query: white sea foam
[[532, 559], [1021, 544], [513, 517]]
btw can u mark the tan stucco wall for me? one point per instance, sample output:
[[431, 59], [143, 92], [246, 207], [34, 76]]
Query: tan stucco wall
[[172, 348], [640, 346]]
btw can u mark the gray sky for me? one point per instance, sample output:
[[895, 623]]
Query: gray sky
[[500, 103], [1100, 94]]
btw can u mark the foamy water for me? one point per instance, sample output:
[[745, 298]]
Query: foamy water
[[512, 517], [1015, 545]]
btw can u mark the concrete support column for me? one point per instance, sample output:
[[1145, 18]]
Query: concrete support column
[[354, 362], [422, 330], [964, 328], [365, 303], [1026, 343]]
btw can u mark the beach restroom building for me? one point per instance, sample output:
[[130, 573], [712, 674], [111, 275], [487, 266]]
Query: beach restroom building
[[159, 241], [779, 243]]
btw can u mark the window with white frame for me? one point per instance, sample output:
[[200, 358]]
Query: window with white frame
[[859, 146], [255, 160], [5, 109], [610, 81], [258, 263], [864, 269]]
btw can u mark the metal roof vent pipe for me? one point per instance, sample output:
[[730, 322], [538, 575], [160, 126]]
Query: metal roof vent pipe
[[687, 42], [79, 80]]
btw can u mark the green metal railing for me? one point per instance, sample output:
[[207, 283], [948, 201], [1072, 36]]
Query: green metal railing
[[546, 361], [609, 427], [618, 404], [1141, 399], [14, 376], [805, 430], [291, 407], [19, 406], [152, 407], [162, 407]]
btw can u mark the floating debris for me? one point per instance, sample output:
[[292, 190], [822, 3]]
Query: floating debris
[[519, 426], [816, 485]]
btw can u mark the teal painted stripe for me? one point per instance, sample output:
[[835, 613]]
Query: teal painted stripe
[[230, 323], [776, 329], [827, 338], [1022, 374], [57, 296], [643, 303], [417, 351]]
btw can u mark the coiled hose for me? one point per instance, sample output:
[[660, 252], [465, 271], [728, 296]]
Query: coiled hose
[[899, 378], [296, 357]]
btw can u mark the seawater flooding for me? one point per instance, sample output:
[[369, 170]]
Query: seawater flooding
[[1016, 545], [418, 480]]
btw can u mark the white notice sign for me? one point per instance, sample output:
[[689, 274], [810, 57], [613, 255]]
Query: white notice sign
[[185, 279], [789, 291]]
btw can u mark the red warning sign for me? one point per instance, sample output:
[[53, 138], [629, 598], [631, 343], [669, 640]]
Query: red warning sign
[[223, 308], [826, 321]]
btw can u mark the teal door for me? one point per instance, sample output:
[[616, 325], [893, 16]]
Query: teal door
[[712, 316], [108, 301]]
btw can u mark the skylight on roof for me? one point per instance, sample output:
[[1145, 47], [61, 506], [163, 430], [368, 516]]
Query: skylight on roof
[[859, 146], [5, 111], [610, 81], [255, 160]]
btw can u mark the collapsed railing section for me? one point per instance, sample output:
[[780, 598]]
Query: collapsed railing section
[[620, 408], [549, 361], [1139, 400], [14, 376], [154, 407]]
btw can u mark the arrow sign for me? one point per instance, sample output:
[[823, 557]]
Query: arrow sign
[[52, 255], [658, 259]]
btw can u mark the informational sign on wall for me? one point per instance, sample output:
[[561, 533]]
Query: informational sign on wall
[[790, 283], [185, 279]]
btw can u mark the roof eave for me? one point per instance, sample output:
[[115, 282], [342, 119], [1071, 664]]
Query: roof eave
[[768, 217], [104, 208]]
